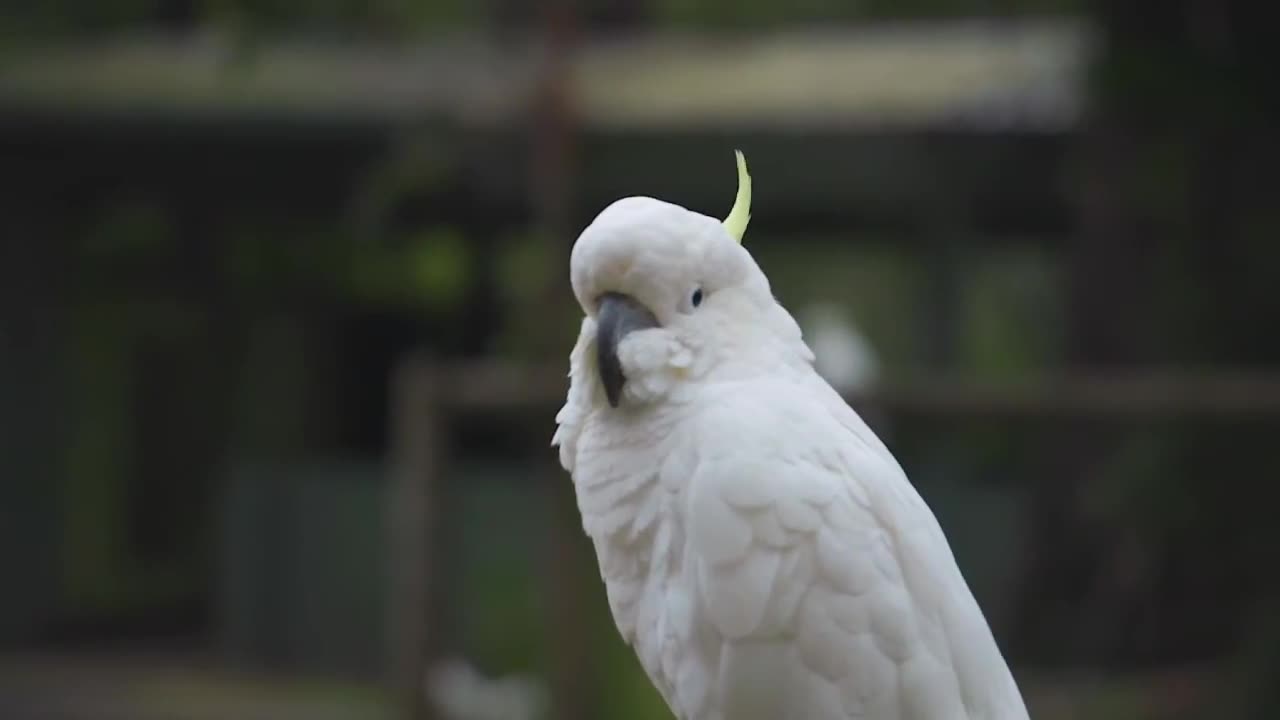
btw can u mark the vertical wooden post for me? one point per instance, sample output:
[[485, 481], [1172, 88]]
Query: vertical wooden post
[[573, 681], [553, 155], [416, 462], [553, 169]]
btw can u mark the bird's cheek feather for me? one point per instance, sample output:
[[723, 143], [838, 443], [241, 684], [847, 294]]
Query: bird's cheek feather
[[644, 351], [653, 361]]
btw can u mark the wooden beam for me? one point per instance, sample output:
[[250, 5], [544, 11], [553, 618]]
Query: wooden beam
[[489, 388]]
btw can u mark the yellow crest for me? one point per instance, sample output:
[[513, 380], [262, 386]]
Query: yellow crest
[[740, 215]]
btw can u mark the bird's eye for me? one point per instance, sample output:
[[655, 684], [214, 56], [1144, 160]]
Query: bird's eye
[[696, 300]]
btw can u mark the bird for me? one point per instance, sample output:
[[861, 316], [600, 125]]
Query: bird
[[762, 551]]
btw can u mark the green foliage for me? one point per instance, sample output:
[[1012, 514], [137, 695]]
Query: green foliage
[[130, 230], [627, 690], [99, 573], [96, 462], [499, 586], [422, 268], [524, 274], [1011, 316], [429, 269]]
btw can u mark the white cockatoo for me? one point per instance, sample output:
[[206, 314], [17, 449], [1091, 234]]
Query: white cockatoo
[[763, 552]]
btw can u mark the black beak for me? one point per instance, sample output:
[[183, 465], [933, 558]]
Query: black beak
[[618, 315]]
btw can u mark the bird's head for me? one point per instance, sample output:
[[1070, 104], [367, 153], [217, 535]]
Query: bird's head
[[672, 296]]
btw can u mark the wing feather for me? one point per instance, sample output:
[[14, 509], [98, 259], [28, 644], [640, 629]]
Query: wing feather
[[827, 579]]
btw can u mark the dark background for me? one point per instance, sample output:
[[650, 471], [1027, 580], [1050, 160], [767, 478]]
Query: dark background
[[1035, 241]]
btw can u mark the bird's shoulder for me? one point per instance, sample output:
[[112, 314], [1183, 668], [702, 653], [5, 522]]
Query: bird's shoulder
[[807, 532], [786, 442], [779, 473]]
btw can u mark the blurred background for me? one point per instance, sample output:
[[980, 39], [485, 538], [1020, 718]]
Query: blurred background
[[285, 317]]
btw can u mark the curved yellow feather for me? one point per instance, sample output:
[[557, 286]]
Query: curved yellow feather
[[740, 215]]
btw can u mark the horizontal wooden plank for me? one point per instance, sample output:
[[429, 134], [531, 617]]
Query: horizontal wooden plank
[[501, 388], [994, 74]]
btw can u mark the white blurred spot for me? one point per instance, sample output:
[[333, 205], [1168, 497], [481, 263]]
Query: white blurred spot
[[459, 692], [845, 357]]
